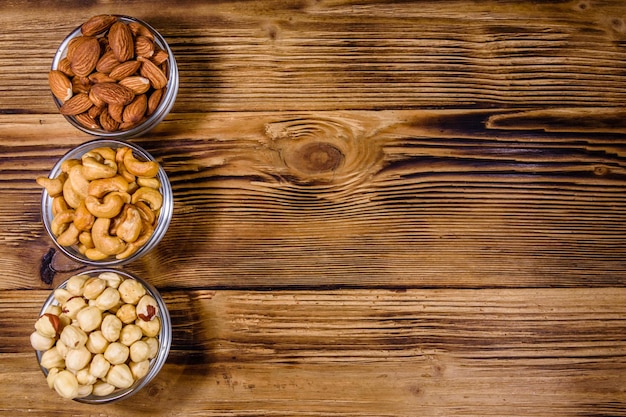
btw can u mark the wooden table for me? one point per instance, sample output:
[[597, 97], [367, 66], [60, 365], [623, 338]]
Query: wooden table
[[381, 208]]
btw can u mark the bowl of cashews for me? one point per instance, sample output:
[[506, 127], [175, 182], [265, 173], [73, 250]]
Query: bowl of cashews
[[106, 202]]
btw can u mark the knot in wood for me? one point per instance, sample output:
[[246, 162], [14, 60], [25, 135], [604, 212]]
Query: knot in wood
[[317, 157]]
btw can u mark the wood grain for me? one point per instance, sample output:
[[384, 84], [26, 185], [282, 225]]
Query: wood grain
[[418, 352], [381, 208], [340, 55], [356, 199]]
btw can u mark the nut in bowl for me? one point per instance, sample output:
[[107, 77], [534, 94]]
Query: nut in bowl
[[106, 202], [101, 336], [114, 76]]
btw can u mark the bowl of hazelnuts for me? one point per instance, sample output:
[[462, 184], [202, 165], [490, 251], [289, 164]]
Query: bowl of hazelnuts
[[101, 336], [114, 76]]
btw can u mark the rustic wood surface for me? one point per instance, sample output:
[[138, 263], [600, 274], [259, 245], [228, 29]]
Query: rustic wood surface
[[381, 208]]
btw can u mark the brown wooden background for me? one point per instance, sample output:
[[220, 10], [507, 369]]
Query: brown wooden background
[[382, 208]]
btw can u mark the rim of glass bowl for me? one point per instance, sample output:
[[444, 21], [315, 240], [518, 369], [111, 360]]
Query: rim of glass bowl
[[163, 221], [165, 339], [167, 102]]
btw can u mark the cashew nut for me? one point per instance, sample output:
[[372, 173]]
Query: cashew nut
[[104, 242], [140, 168], [102, 152], [61, 221], [147, 214], [69, 237], [94, 169], [149, 182], [148, 195], [68, 164], [95, 254], [146, 233], [77, 179], [98, 188], [70, 195], [110, 206], [53, 186], [58, 205], [130, 228], [85, 239], [83, 218]]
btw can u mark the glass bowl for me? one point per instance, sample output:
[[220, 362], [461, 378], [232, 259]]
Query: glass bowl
[[161, 222], [164, 338], [167, 100]]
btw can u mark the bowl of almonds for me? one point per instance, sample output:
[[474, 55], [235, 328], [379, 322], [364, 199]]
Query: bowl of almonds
[[106, 202], [114, 76], [101, 336]]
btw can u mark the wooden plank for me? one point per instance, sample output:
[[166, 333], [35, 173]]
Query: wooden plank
[[370, 352], [342, 55], [395, 199]]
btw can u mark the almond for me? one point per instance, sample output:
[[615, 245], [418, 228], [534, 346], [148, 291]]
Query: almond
[[107, 62], [159, 57], [79, 103], [137, 83], [100, 77], [86, 120], [154, 101], [97, 24], [65, 68], [140, 30], [125, 69], [136, 109], [153, 73], [85, 57], [107, 122], [60, 85], [81, 84], [144, 46], [116, 112], [113, 93], [121, 41]]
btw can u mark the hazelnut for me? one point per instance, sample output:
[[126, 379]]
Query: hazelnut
[[66, 385], [139, 351], [54, 309], [139, 369], [131, 291], [102, 388], [78, 358], [40, 342], [52, 373], [127, 313], [62, 348], [52, 359], [112, 279], [153, 344], [147, 308], [111, 327], [76, 284], [48, 325], [62, 295], [99, 366], [120, 376], [108, 299], [73, 336], [116, 353], [85, 377], [97, 343], [73, 306], [130, 334], [150, 328], [84, 390], [93, 288], [89, 318]]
